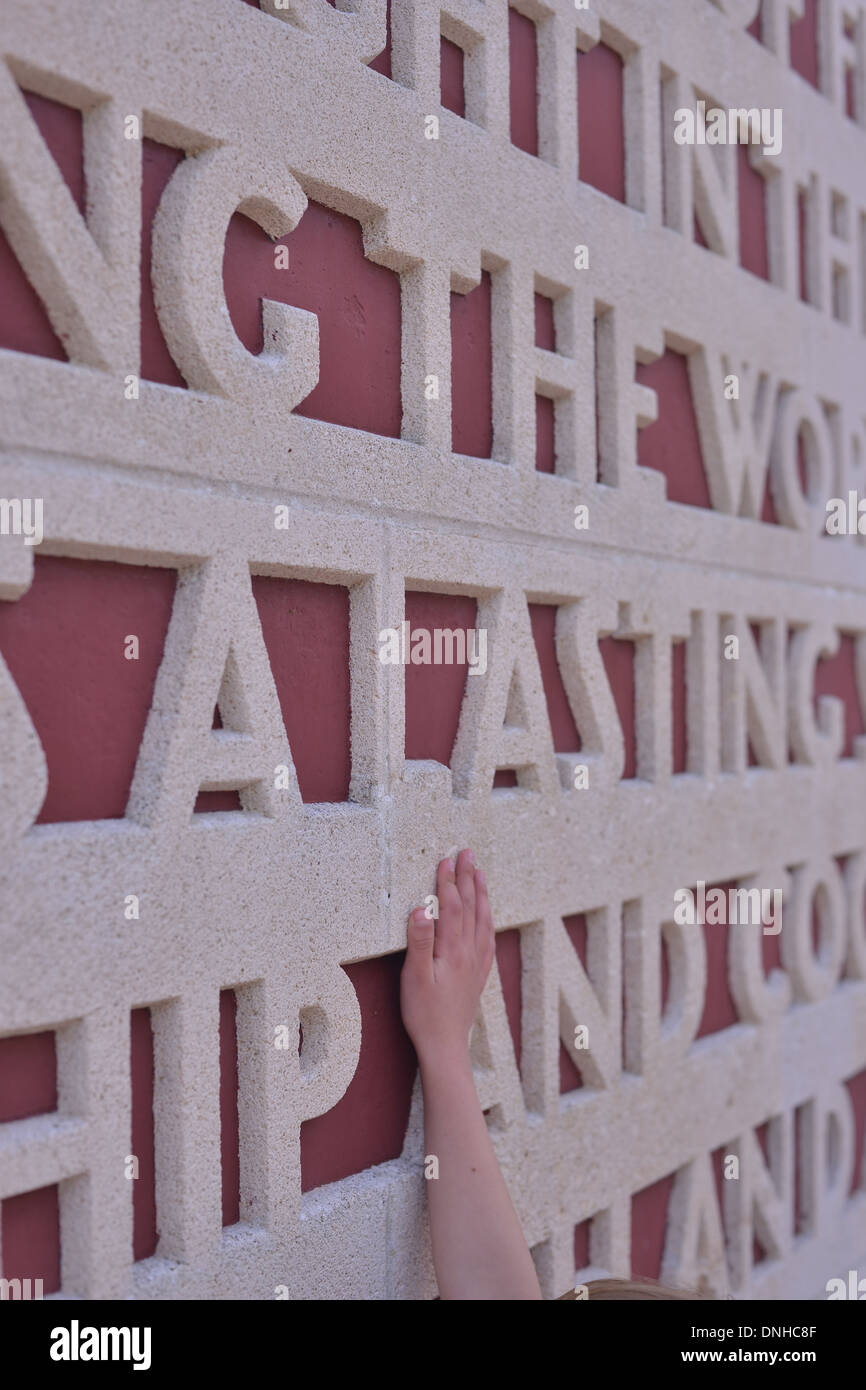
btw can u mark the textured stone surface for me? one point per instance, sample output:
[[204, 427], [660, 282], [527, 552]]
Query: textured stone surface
[[725, 772]]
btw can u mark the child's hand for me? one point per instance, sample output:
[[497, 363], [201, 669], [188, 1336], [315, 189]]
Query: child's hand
[[447, 963]]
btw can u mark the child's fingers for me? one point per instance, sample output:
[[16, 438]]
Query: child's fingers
[[450, 927], [466, 884], [420, 937], [484, 932]]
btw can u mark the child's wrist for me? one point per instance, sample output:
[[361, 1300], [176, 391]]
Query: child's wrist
[[438, 1058]]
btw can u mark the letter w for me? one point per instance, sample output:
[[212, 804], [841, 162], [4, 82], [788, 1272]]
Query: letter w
[[735, 434]]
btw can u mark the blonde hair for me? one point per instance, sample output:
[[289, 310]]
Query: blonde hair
[[628, 1290]]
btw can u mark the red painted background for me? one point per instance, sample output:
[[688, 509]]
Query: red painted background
[[89, 704], [452, 76], [368, 1124], [24, 324], [229, 1125], [804, 43], [28, 1075], [672, 443], [356, 301], [145, 1232], [601, 121], [31, 1236], [523, 81], [30, 1221], [569, 1076], [545, 325], [306, 632], [472, 371]]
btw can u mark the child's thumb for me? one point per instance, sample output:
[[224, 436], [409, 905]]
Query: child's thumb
[[421, 934]]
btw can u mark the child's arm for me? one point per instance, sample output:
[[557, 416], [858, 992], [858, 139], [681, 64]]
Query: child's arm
[[479, 1251]]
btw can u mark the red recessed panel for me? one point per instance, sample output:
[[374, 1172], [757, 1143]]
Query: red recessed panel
[[816, 930], [566, 739], [508, 965], [665, 962], [672, 444], [800, 1217], [24, 323], [678, 707], [597, 325], [754, 244], [719, 1008], [368, 1124], [802, 243], [836, 675], [357, 304], [472, 371], [576, 927], [649, 1211], [62, 129], [306, 632], [802, 465], [144, 1221], [523, 81], [158, 163], [30, 1234], [382, 63], [545, 434], [451, 77], [756, 28], [752, 759], [89, 704], [768, 508], [545, 323], [857, 1092], [769, 515], [569, 1077], [618, 658], [434, 693], [581, 1244], [600, 120], [505, 777], [804, 43], [717, 1159], [229, 1126], [217, 801], [28, 1075]]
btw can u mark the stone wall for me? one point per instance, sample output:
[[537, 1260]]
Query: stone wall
[[526, 366]]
